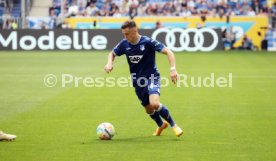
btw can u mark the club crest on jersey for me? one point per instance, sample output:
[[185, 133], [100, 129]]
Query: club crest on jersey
[[142, 47], [135, 59]]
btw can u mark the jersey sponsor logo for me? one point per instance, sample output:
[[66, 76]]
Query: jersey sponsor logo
[[185, 39], [142, 47], [135, 59], [128, 48]]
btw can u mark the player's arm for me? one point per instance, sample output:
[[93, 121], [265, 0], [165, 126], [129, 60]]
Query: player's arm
[[109, 65], [171, 58]]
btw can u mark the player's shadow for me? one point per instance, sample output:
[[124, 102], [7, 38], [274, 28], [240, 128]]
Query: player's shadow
[[138, 139], [148, 139]]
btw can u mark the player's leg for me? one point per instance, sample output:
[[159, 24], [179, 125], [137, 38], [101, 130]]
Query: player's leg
[[164, 113], [143, 96], [154, 95], [154, 104], [162, 110], [154, 115]]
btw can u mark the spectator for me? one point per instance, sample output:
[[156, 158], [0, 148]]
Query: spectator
[[193, 11], [74, 8], [81, 7], [159, 10], [265, 8], [273, 15], [221, 7], [185, 12], [202, 7], [183, 8], [251, 12], [53, 19], [7, 24], [247, 44], [61, 17], [231, 36], [133, 10], [221, 12], [230, 12], [149, 9], [238, 10], [245, 8], [95, 25], [112, 9], [124, 7], [92, 9], [213, 13], [82, 2], [165, 10], [104, 11], [117, 12], [141, 11], [174, 10], [256, 6], [191, 4], [136, 2], [9, 5], [66, 25], [262, 13], [158, 24], [14, 25]]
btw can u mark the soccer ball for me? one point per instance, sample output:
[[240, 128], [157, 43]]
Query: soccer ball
[[105, 131]]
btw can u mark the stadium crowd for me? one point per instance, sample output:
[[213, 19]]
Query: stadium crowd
[[132, 8], [63, 9]]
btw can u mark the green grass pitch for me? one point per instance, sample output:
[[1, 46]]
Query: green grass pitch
[[59, 124]]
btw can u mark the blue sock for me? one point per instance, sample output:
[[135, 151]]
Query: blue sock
[[165, 114], [155, 116]]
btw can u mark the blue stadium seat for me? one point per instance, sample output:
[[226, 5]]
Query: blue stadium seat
[[16, 13], [99, 5], [17, 1], [16, 10], [2, 11], [57, 11]]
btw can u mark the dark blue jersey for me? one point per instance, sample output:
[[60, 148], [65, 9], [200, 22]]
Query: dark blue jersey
[[141, 56]]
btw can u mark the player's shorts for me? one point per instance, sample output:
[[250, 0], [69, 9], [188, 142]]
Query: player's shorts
[[143, 92]]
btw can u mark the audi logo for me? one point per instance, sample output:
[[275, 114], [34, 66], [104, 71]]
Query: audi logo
[[184, 38]]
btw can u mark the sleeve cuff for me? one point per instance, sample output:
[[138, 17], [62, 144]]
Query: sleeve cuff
[[161, 49], [114, 53]]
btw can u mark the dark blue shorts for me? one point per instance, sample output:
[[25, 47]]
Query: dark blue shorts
[[143, 92]]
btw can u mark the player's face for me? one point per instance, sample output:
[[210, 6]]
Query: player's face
[[130, 34]]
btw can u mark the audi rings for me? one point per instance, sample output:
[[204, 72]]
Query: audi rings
[[184, 38]]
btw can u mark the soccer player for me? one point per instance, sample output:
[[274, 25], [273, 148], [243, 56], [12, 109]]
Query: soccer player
[[140, 54], [6, 137]]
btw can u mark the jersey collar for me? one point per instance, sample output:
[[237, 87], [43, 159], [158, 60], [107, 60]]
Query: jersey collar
[[138, 40]]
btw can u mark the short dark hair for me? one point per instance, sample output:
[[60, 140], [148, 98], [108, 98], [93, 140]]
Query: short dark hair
[[128, 24]]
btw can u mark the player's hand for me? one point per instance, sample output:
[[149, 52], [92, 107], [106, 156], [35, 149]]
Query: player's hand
[[174, 76], [108, 68]]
